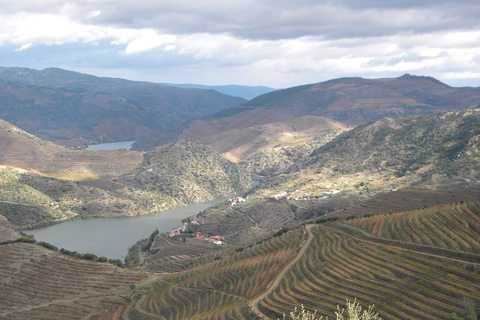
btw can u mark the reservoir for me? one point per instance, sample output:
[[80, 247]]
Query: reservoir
[[111, 237], [127, 145]]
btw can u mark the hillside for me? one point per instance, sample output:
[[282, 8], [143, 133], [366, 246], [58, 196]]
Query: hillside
[[416, 264], [74, 117], [345, 101], [431, 151], [190, 171], [358, 100], [171, 103], [29, 200], [24, 150], [242, 143], [42, 183], [37, 283], [246, 92]]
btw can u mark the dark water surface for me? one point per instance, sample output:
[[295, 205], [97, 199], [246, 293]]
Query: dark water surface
[[111, 237]]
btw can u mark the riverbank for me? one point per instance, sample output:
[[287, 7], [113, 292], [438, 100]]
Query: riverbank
[[111, 237]]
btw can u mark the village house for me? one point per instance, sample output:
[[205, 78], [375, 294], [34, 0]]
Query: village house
[[174, 233]]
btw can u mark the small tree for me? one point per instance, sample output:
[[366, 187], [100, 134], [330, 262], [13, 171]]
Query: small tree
[[303, 315], [354, 311]]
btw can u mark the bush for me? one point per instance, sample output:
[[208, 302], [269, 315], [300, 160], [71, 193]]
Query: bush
[[354, 312], [47, 245]]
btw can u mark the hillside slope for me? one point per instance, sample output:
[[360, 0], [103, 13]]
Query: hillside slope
[[173, 103], [420, 264], [190, 171], [349, 101], [246, 92], [358, 100], [424, 150], [37, 283], [23, 150], [75, 117]]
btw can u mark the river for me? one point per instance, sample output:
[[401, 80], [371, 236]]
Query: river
[[127, 145], [111, 237]]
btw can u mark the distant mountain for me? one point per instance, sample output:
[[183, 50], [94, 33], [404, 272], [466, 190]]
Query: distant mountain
[[173, 103], [358, 100], [75, 117], [429, 151], [246, 92], [350, 101]]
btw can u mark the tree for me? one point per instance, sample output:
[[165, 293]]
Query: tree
[[354, 311], [468, 314]]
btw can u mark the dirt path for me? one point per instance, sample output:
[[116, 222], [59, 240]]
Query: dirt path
[[253, 304]]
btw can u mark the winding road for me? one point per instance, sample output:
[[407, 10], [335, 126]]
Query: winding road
[[253, 304]]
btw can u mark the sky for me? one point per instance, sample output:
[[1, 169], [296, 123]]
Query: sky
[[274, 43]]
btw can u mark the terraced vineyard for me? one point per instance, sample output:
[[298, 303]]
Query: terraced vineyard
[[222, 289], [41, 284], [402, 283], [408, 199], [450, 226]]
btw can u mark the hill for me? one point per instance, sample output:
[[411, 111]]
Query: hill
[[74, 117], [416, 264], [421, 264], [238, 144], [246, 92], [26, 151], [431, 151], [358, 100], [190, 171], [171, 103], [38, 283], [42, 183], [345, 101]]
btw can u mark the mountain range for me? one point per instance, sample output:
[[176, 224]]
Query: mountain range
[[348, 102], [367, 189], [78, 108], [246, 92]]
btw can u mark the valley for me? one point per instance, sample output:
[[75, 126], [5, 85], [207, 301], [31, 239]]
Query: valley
[[352, 188]]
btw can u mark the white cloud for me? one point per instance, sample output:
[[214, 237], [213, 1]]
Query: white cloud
[[147, 41], [24, 46], [283, 41], [93, 14]]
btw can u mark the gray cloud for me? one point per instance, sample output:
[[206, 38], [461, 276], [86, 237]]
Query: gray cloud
[[279, 43], [270, 20]]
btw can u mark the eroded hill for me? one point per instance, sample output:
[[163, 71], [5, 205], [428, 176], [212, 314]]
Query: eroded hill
[[432, 151]]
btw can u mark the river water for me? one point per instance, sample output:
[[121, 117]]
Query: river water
[[111, 237], [127, 145]]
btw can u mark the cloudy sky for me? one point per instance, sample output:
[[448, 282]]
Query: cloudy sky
[[276, 43]]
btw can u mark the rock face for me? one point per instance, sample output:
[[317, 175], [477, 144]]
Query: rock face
[[190, 171]]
